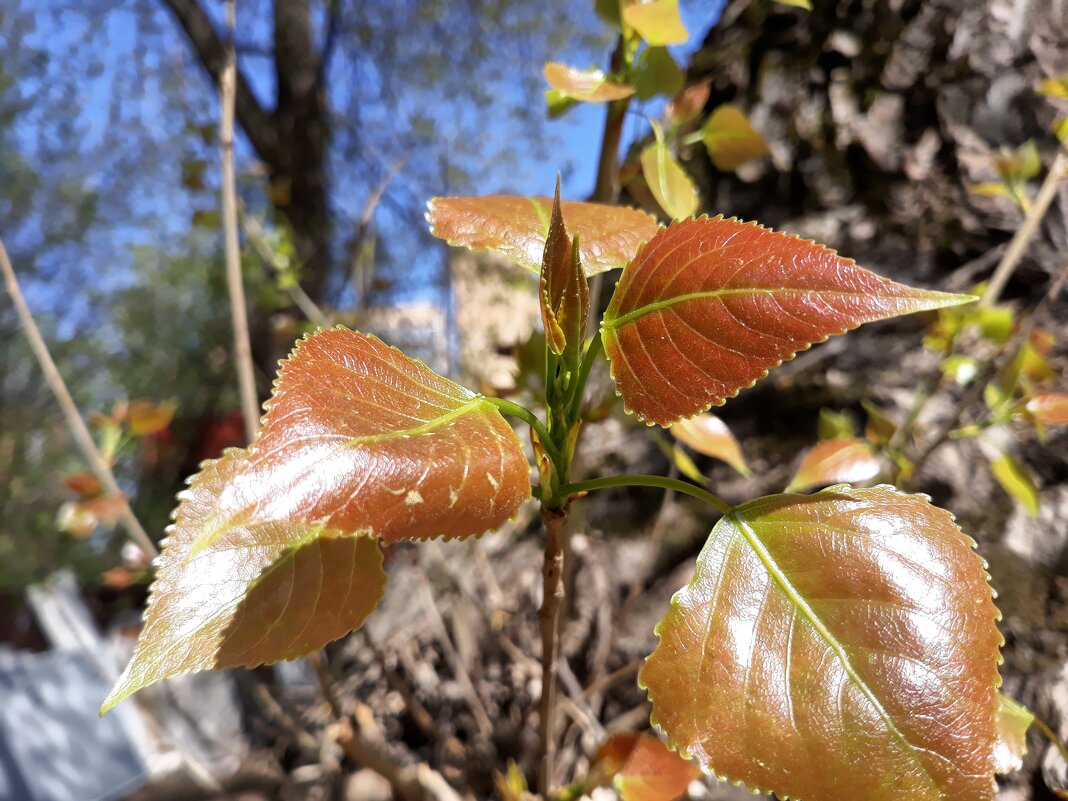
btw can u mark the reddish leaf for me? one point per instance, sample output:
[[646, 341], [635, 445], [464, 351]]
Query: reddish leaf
[[642, 768], [708, 306], [589, 86], [85, 484], [517, 227], [1049, 408], [835, 646], [709, 435], [263, 591], [836, 461], [149, 418], [688, 103], [565, 294]]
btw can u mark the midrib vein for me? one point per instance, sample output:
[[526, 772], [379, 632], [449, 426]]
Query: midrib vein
[[809, 613]]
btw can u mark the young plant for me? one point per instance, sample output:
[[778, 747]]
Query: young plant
[[836, 645]]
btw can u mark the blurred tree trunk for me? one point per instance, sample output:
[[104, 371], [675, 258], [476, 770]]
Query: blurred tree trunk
[[292, 139], [881, 115]]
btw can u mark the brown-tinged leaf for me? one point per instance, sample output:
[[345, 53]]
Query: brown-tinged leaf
[[658, 22], [147, 418], [86, 485], [642, 768], [565, 293], [835, 461], [668, 182], [688, 103], [1049, 408], [1013, 723], [709, 435], [589, 86], [833, 646], [1016, 479], [709, 306], [517, 227], [731, 139], [263, 591]]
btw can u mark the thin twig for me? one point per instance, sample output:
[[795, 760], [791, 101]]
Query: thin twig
[[1026, 232], [246, 377], [555, 521], [84, 440]]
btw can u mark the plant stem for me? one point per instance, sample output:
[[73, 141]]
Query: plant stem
[[531, 419], [1047, 731], [589, 358], [99, 465], [246, 378], [555, 522], [1026, 232], [662, 482]]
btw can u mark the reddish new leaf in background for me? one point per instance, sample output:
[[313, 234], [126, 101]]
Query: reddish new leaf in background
[[709, 435], [517, 227], [359, 442], [708, 306], [642, 768], [1049, 408], [589, 86], [836, 646], [836, 461], [564, 292]]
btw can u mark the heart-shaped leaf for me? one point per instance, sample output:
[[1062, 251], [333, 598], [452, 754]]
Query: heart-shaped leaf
[[708, 306], [359, 442], [261, 592], [731, 139], [833, 646], [1049, 408], [658, 22], [589, 86], [668, 181], [565, 294], [517, 227], [836, 461], [642, 768], [709, 435]]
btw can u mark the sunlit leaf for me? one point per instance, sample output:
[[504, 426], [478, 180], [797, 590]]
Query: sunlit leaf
[[1017, 481], [558, 103], [1060, 129], [517, 227], [1055, 87], [668, 182], [1049, 408], [835, 425], [642, 768], [834, 461], [658, 22], [1013, 723], [589, 86], [274, 551], [710, 305], [564, 293], [805, 4], [147, 418], [1034, 367], [709, 435], [960, 368], [731, 139], [835, 646], [688, 103], [990, 189], [657, 74], [683, 462]]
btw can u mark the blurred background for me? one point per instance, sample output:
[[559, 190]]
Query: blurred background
[[913, 136]]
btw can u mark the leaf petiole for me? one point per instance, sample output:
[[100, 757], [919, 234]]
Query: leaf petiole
[[589, 358], [531, 419], [661, 482]]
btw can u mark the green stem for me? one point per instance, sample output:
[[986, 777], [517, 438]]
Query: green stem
[[531, 419], [589, 358], [1050, 735], [661, 482]]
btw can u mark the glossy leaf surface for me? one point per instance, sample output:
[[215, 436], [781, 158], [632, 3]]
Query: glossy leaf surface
[[642, 768], [564, 292], [1013, 722], [589, 86], [835, 461], [730, 138], [709, 435], [262, 592], [708, 306], [833, 646], [517, 227], [658, 22], [668, 182], [1049, 408]]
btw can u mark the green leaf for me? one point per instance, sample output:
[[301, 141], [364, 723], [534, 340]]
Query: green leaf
[[657, 74], [610, 13], [564, 293], [730, 138], [835, 646], [835, 425], [805, 4], [558, 103], [708, 306], [880, 428], [668, 182], [1013, 722], [658, 22], [1056, 87], [1017, 481], [359, 443], [517, 228], [709, 435], [588, 86], [960, 368], [852, 461]]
